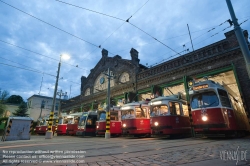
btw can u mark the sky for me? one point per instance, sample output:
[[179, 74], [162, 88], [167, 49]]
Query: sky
[[33, 35]]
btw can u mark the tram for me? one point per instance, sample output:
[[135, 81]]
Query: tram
[[72, 124], [87, 124], [115, 122], [136, 119], [62, 125], [169, 116], [42, 125], [215, 111]]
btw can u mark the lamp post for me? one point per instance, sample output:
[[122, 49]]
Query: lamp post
[[49, 133]]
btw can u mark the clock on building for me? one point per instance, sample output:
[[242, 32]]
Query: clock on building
[[101, 84]]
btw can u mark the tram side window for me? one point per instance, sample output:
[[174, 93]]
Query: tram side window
[[185, 109], [174, 108], [224, 98]]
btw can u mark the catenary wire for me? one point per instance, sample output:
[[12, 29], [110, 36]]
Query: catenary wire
[[125, 21], [39, 53], [49, 24], [36, 71]]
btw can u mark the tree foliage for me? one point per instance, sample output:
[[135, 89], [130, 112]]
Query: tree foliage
[[2, 109], [4, 94], [15, 99], [22, 110]]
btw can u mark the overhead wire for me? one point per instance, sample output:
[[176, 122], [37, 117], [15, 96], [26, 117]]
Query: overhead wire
[[39, 54], [109, 16], [29, 68], [49, 24], [123, 20], [210, 29], [36, 71]]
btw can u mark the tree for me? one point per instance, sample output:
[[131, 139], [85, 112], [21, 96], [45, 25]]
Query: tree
[[15, 99], [2, 109], [22, 110], [3, 95]]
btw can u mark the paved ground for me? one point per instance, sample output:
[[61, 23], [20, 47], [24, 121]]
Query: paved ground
[[97, 151]]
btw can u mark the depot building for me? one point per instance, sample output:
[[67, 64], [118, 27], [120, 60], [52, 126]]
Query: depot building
[[130, 81]]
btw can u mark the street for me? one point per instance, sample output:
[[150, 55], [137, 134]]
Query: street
[[96, 151]]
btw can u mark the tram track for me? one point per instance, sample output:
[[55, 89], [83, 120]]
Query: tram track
[[115, 149]]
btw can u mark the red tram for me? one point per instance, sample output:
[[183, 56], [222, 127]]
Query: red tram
[[42, 126], [62, 125], [115, 122], [169, 116], [215, 111], [87, 124], [136, 119], [73, 121]]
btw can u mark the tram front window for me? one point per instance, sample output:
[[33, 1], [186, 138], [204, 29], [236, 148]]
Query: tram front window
[[82, 120], [159, 110], [42, 123], [113, 115], [203, 100], [140, 113], [128, 114], [102, 116]]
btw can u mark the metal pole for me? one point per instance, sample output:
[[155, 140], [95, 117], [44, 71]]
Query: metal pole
[[190, 37], [239, 34], [107, 134], [42, 104], [49, 133]]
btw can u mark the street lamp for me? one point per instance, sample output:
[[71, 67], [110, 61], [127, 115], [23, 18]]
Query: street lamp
[[49, 133]]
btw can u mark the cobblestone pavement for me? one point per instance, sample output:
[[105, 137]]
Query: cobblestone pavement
[[134, 151]]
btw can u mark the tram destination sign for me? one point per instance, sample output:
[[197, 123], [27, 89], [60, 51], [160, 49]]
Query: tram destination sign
[[200, 87]]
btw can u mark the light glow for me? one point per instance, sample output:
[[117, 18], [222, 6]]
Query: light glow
[[65, 56], [156, 103], [124, 125], [97, 127], [204, 118], [156, 123]]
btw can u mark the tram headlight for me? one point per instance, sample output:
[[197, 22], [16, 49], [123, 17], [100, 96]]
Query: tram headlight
[[204, 118], [156, 123], [124, 125], [97, 127]]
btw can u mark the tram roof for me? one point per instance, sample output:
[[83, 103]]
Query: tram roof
[[76, 114], [136, 103], [172, 97]]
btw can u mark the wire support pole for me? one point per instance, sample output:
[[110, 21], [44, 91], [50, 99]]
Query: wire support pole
[[240, 37], [49, 133], [107, 133]]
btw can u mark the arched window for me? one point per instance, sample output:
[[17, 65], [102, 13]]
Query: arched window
[[124, 77]]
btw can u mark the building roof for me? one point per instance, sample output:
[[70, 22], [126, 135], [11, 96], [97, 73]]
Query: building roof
[[40, 96]]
